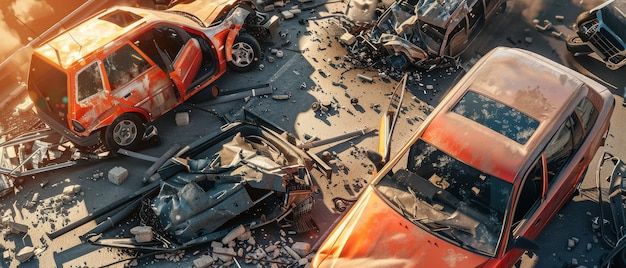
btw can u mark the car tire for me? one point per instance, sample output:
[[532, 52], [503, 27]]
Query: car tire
[[246, 53], [399, 61], [576, 45], [126, 132]]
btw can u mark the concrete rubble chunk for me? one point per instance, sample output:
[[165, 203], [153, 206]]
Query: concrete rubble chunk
[[143, 234], [347, 39], [25, 254], [203, 262], [267, 8], [71, 190], [118, 175], [302, 248], [224, 254], [18, 228], [291, 252], [234, 233], [287, 14], [182, 119]]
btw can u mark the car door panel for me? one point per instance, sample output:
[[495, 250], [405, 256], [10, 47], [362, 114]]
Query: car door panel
[[186, 65], [152, 91]]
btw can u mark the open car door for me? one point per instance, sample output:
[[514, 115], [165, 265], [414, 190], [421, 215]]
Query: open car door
[[185, 66]]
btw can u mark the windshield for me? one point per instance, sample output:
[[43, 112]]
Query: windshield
[[447, 197], [614, 17]]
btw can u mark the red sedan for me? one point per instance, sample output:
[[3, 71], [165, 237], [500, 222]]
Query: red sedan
[[485, 173]]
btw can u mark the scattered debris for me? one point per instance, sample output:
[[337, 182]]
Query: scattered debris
[[25, 254], [182, 118], [143, 234], [118, 175], [547, 25], [365, 78]]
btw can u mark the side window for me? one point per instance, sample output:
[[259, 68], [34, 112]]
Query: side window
[[531, 191], [89, 82], [563, 145], [123, 65], [587, 113], [171, 40]]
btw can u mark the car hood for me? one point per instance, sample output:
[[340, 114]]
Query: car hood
[[372, 234], [206, 10]]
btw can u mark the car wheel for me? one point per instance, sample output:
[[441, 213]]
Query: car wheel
[[246, 52], [399, 61], [576, 45], [126, 132]]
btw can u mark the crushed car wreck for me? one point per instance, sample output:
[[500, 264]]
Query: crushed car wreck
[[249, 173], [254, 167], [424, 33]]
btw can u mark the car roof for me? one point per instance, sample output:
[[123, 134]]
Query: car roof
[[531, 84], [93, 34], [88, 36]]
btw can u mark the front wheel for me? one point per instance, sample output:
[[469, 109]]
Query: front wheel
[[576, 45], [246, 53], [126, 132]]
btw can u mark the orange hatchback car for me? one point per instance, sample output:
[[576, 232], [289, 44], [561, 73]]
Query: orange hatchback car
[[104, 78], [498, 157]]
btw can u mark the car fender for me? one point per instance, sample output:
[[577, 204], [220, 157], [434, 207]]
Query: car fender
[[107, 118], [234, 22]]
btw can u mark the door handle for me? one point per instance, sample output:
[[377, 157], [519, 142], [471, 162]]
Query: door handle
[[128, 95]]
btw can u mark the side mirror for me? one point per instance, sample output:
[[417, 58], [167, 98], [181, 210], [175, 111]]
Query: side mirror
[[524, 243]]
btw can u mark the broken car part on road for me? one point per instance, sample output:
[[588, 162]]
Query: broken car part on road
[[248, 173]]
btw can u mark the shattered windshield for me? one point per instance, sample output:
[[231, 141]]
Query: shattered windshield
[[438, 12], [451, 199], [614, 17]]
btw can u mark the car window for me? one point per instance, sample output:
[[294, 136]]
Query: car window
[[587, 113], [530, 193], [89, 81], [497, 116], [563, 145], [124, 65], [170, 39]]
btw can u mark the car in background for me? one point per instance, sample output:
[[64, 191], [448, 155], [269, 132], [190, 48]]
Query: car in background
[[104, 78], [428, 33], [484, 174], [602, 30]]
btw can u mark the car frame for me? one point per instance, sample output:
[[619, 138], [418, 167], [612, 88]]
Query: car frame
[[104, 78], [471, 188]]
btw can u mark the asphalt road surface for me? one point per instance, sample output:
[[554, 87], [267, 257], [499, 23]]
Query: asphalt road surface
[[311, 71]]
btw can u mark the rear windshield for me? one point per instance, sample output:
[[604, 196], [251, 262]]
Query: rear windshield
[[47, 87], [498, 117]]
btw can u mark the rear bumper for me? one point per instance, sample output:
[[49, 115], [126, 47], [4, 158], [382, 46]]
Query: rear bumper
[[90, 140]]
